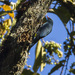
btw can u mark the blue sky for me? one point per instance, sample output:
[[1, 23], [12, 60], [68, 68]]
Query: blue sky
[[58, 35]]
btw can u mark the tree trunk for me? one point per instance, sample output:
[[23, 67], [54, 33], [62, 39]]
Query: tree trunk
[[13, 52]]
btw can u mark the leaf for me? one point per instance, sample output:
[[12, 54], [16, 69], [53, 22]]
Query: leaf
[[28, 72], [72, 33], [0, 6], [43, 58], [11, 15], [38, 49], [73, 64], [69, 1], [19, 2], [62, 13], [72, 70], [7, 8], [2, 13], [13, 5], [37, 62], [57, 66], [7, 22]]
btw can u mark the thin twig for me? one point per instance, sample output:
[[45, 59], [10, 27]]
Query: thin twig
[[66, 66], [66, 29], [62, 69], [73, 26], [55, 5], [70, 26], [67, 59], [43, 40]]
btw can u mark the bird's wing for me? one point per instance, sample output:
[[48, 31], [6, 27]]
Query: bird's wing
[[45, 30]]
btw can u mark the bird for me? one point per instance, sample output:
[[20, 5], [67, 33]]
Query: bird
[[44, 30]]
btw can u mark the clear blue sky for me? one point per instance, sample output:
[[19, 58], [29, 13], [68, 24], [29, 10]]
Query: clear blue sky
[[58, 35]]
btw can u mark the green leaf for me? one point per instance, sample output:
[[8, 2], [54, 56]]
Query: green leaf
[[72, 70], [73, 65], [38, 49], [72, 33], [2, 13], [28, 72], [62, 13], [43, 58], [56, 67], [37, 62], [19, 3], [69, 1]]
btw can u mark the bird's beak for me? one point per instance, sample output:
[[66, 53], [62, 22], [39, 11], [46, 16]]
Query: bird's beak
[[47, 17]]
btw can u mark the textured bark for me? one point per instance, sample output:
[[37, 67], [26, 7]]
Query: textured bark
[[13, 53]]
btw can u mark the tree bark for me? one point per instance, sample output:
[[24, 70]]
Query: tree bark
[[13, 52]]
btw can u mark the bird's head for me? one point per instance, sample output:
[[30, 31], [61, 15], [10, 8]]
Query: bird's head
[[49, 20]]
